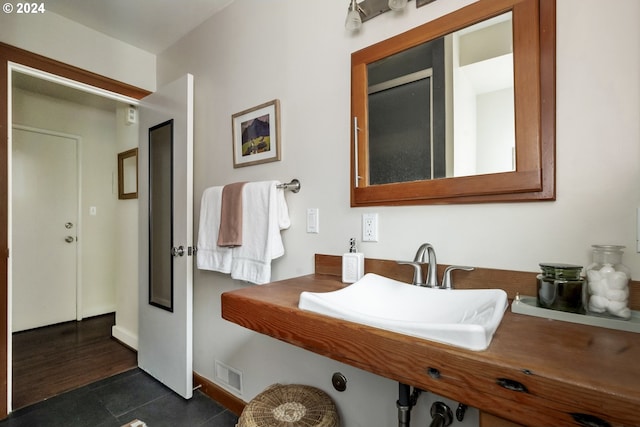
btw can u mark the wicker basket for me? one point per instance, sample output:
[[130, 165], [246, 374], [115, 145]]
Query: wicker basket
[[290, 405]]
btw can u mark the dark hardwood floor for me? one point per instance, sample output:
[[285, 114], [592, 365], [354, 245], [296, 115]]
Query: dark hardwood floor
[[51, 360]]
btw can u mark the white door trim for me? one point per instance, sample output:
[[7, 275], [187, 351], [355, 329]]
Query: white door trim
[[16, 66], [67, 82]]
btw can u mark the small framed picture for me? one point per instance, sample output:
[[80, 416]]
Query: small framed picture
[[128, 174], [256, 135]]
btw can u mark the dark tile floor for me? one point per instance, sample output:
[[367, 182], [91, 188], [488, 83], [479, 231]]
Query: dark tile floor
[[119, 400]]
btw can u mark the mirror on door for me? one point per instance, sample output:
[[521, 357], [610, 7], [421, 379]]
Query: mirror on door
[[160, 215]]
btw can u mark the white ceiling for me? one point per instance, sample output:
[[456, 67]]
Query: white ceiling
[[151, 25]]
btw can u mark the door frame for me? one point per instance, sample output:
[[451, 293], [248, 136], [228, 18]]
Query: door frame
[[10, 55], [78, 223]]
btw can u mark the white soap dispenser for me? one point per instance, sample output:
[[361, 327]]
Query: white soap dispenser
[[352, 264]]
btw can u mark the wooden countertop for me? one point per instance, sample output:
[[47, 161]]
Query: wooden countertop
[[564, 368]]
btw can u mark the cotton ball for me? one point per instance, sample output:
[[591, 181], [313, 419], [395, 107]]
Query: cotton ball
[[620, 309], [618, 280], [597, 287], [624, 313], [598, 304], [615, 306], [607, 269], [593, 275], [617, 295]]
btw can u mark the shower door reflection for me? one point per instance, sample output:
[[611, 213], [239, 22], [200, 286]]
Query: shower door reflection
[[161, 215]]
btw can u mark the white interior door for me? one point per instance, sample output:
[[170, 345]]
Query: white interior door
[[44, 228], [165, 346]]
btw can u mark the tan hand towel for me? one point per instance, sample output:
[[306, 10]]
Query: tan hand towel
[[230, 233]]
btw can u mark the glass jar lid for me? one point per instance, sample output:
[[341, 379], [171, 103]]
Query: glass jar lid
[[607, 254], [608, 248], [561, 271]]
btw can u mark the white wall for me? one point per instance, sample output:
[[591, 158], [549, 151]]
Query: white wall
[[126, 235], [96, 127], [496, 131], [298, 51], [59, 38]]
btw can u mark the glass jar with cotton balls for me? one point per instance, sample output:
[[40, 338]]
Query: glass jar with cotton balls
[[608, 283]]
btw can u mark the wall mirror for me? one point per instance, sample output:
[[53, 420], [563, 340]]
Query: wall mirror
[[458, 110], [128, 174], [161, 215]]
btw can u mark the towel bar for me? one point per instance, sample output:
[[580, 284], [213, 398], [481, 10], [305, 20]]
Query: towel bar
[[293, 186]]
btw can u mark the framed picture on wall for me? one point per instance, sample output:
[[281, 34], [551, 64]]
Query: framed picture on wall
[[256, 135]]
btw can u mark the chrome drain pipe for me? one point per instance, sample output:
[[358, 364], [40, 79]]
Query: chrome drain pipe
[[406, 402]]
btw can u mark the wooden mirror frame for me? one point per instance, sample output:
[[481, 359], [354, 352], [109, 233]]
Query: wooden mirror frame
[[122, 185], [534, 28]]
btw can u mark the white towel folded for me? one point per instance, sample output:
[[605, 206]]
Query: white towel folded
[[210, 256], [265, 214]]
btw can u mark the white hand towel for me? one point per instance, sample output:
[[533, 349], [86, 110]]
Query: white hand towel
[[210, 256], [265, 213]]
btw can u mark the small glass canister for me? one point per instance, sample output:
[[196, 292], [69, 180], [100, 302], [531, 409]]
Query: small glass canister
[[608, 283], [561, 287]]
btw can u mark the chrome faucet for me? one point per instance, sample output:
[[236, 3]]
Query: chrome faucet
[[432, 272], [432, 278]]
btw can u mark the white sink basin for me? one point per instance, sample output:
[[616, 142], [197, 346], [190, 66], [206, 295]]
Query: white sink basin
[[465, 318]]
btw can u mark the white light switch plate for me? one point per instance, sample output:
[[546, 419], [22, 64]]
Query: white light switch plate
[[638, 230], [313, 220]]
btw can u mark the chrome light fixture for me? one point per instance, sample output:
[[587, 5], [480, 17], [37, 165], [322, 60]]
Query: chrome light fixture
[[353, 21], [397, 4], [364, 10]]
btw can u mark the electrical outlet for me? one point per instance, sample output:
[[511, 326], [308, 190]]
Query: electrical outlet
[[370, 227]]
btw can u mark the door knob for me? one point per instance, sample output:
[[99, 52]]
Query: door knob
[[69, 239], [176, 252]]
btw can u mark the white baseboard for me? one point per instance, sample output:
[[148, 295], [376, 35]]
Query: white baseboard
[[125, 336], [97, 311]]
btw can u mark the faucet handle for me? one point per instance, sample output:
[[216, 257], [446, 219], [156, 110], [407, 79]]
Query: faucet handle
[[446, 280], [417, 272]]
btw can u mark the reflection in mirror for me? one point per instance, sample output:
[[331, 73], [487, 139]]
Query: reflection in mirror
[[128, 174], [160, 215], [407, 101], [444, 108], [458, 110], [483, 104]]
